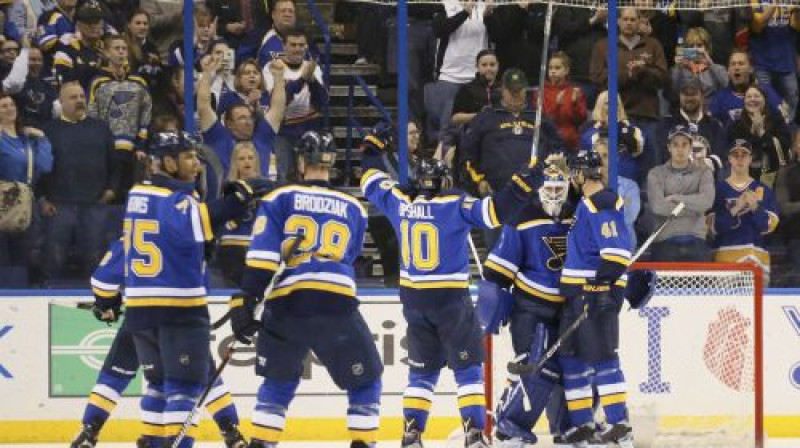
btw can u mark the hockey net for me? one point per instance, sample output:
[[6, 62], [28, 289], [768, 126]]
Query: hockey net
[[691, 357]]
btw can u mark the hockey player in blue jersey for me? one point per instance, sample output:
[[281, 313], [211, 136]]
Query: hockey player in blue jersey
[[528, 257], [313, 304], [433, 227], [593, 279], [121, 364], [166, 234]]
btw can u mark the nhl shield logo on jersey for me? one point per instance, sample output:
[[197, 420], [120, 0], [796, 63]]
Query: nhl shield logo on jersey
[[358, 369]]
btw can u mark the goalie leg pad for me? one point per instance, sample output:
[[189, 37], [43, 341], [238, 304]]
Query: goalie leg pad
[[363, 412], [471, 396], [513, 419], [269, 416], [494, 306], [418, 396]]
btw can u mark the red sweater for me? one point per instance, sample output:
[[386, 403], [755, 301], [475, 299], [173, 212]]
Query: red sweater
[[566, 114]]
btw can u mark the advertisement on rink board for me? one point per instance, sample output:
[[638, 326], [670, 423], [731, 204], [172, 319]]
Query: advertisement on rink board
[[673, 354]]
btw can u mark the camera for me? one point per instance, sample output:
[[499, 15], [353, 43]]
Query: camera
[[227, 60], [691, 54]]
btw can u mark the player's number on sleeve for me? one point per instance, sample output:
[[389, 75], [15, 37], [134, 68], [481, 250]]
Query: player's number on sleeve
[[146, 260], [332, 241], [609, 229], [420, 245]]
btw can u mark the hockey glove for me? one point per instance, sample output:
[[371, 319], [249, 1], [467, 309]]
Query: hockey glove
[[107, 309], [243, 324], [640, 288], [241, 190]]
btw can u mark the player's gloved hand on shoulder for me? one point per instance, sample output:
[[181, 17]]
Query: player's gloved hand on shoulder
[[107, 309], [243, 324]]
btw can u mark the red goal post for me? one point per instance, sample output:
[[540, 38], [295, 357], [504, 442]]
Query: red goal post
[[693, 358]]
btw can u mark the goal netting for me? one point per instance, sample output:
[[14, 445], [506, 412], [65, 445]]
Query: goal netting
[[692, 358], [663, 5]]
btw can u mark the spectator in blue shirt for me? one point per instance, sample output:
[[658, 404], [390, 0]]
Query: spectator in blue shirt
[[19, 147]]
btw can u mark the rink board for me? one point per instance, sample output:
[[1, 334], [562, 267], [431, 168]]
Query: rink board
[[50, 354]]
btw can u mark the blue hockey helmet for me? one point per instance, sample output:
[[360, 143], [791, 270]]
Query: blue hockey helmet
[[172, 143], [317, 148], [430, 175], [587, 163]]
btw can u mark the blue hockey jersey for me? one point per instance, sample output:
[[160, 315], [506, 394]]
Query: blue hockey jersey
[[319, 277], [740, 238], [598, 245], [530, 255], [163, 267], [432, 231], [237, 232]]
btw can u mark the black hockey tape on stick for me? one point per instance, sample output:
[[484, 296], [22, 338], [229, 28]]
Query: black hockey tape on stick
[[295, 244], [217, 372], [524, 369]]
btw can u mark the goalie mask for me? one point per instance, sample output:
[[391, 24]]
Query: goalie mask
[[554, 189]]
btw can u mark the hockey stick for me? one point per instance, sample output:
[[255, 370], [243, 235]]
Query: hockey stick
[[537, 126], [225, 317], [232, 346], [475, 255], [524, 369]]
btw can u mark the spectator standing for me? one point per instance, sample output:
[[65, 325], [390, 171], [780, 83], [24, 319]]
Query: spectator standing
[[143, 56], [627, 189], [13, 66], [461, 33], [235, 236], [726, 104], [240, 123], [482, 92], [55, 24], [306, 97], [691, 112], [693, 60], [20, 148], [641, 73], [773, 33], [36, 98], [122, 100], [205, 35], [498, 140], [787, 191], [249, 89], [767, 134], [630, 139], [83, 180], [78, 56], [564, 102], [577, 31], [284, 18], [242, 23], [680, 180], [515, 28], [745, 212]]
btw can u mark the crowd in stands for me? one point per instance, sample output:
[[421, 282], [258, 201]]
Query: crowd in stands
[[707, 112]]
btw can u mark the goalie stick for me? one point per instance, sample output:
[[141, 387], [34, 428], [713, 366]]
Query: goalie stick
[[231, 349], [525, 369]]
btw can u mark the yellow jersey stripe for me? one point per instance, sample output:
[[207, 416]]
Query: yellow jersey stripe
[[499, 269], [208, 232], [315, 285], [177, 302], [536, 293], [261, 264], [447, 284]]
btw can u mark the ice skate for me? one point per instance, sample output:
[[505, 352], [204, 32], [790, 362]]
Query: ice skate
[[232, 436], [579, 434], [476, 439], [87, 438], [412, 438], [615, 432]]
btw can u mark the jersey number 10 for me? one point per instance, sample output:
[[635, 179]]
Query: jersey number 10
[[419, 245]]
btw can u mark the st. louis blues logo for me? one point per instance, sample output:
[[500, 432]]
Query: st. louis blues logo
[[558, 248]]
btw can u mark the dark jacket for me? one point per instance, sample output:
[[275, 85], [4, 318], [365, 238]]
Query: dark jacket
[[518, 37], [577, 38], [476, 95], [497, 144], [84, 161]]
